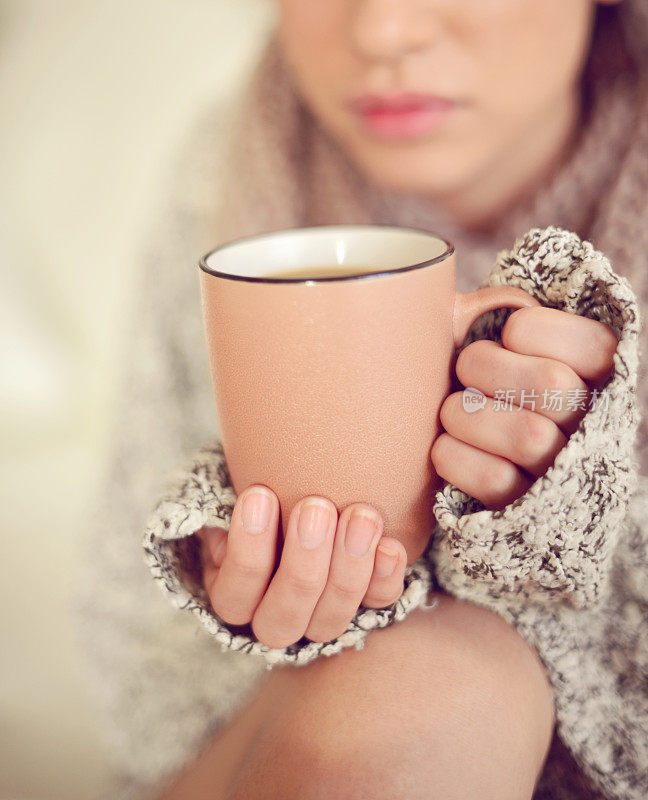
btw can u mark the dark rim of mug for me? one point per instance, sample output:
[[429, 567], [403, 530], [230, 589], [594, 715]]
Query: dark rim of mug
[[326, 278]]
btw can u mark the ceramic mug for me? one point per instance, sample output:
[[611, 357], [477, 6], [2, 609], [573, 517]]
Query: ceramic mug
[[332, 385]]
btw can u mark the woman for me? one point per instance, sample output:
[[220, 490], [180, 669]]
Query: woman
[[548, 127]]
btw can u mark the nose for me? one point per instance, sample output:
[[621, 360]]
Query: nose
[[391, 29]]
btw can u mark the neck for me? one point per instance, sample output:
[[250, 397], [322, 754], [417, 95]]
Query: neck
[[517, 175]]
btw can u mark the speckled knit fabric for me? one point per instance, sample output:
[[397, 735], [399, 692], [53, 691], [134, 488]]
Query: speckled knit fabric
[[161, 681], [202, 494]]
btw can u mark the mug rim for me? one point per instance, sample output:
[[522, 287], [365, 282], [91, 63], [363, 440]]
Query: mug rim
[[450, 249]]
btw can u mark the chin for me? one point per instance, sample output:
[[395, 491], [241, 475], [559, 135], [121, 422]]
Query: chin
[[431, 166], [414, 173]]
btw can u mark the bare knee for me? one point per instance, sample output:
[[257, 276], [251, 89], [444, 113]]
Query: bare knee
[[493, 711], [451, 699]]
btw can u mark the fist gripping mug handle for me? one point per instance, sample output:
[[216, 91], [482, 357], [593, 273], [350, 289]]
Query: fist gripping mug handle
[[470, 306]]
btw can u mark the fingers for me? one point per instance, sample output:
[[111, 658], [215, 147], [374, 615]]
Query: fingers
[[386, 584], [585, 345], [288, 604], [327, 569], [524, 437], [493, 480], [248, 557], [549, 387], [214, 541], [358, 532]]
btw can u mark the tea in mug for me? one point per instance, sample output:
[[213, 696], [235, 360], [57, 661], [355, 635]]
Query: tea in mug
[[323, 271]]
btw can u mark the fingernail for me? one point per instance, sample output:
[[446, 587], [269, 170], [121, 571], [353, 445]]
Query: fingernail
[[360, 531], [386, 560], [313, 523], [257, 509]]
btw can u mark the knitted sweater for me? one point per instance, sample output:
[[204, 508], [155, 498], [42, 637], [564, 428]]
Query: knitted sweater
[[567, 563]]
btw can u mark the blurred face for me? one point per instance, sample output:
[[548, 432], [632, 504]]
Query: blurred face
[[429, 95]]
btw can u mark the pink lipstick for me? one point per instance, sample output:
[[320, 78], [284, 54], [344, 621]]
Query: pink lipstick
[[402, 115]]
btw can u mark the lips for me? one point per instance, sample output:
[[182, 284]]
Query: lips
[[400, 101], [403, 114]]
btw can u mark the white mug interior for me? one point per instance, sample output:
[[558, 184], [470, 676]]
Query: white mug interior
[[374, 249]]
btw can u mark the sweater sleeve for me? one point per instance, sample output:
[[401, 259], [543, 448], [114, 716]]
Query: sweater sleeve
[[160, 686], [201, 494], [567, 563], [555, 544]]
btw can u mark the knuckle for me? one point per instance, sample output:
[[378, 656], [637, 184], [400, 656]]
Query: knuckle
[[608, 342], [556, 375], [533, 435], [305, 585], [449, 409], [498, 477], [516, 328], [465, 362], [246, 571], [473, 359], [440, 451], [347, 593]]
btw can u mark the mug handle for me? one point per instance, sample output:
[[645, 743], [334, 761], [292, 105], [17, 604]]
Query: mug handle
[[471, 305]]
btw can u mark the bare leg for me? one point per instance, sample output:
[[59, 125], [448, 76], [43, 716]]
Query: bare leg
[[450, 704], [211, 774]]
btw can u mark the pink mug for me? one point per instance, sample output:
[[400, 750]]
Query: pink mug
[[332, 385]]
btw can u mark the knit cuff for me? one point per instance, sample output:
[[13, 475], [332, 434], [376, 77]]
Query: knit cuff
[[556, 541], [201, 494]]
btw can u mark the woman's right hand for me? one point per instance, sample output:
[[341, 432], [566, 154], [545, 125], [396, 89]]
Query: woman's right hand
[[328, 567]]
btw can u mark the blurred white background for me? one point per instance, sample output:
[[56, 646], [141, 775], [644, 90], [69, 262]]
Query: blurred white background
[[94, 96]]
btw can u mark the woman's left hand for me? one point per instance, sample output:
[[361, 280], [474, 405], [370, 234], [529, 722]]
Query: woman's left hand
[[537, 387]]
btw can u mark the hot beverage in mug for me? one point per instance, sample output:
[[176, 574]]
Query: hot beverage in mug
[[322, 272], [331, 351]]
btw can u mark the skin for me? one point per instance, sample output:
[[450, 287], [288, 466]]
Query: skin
[[317, 586], [512, 128], [468, 712], [513, 67]]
